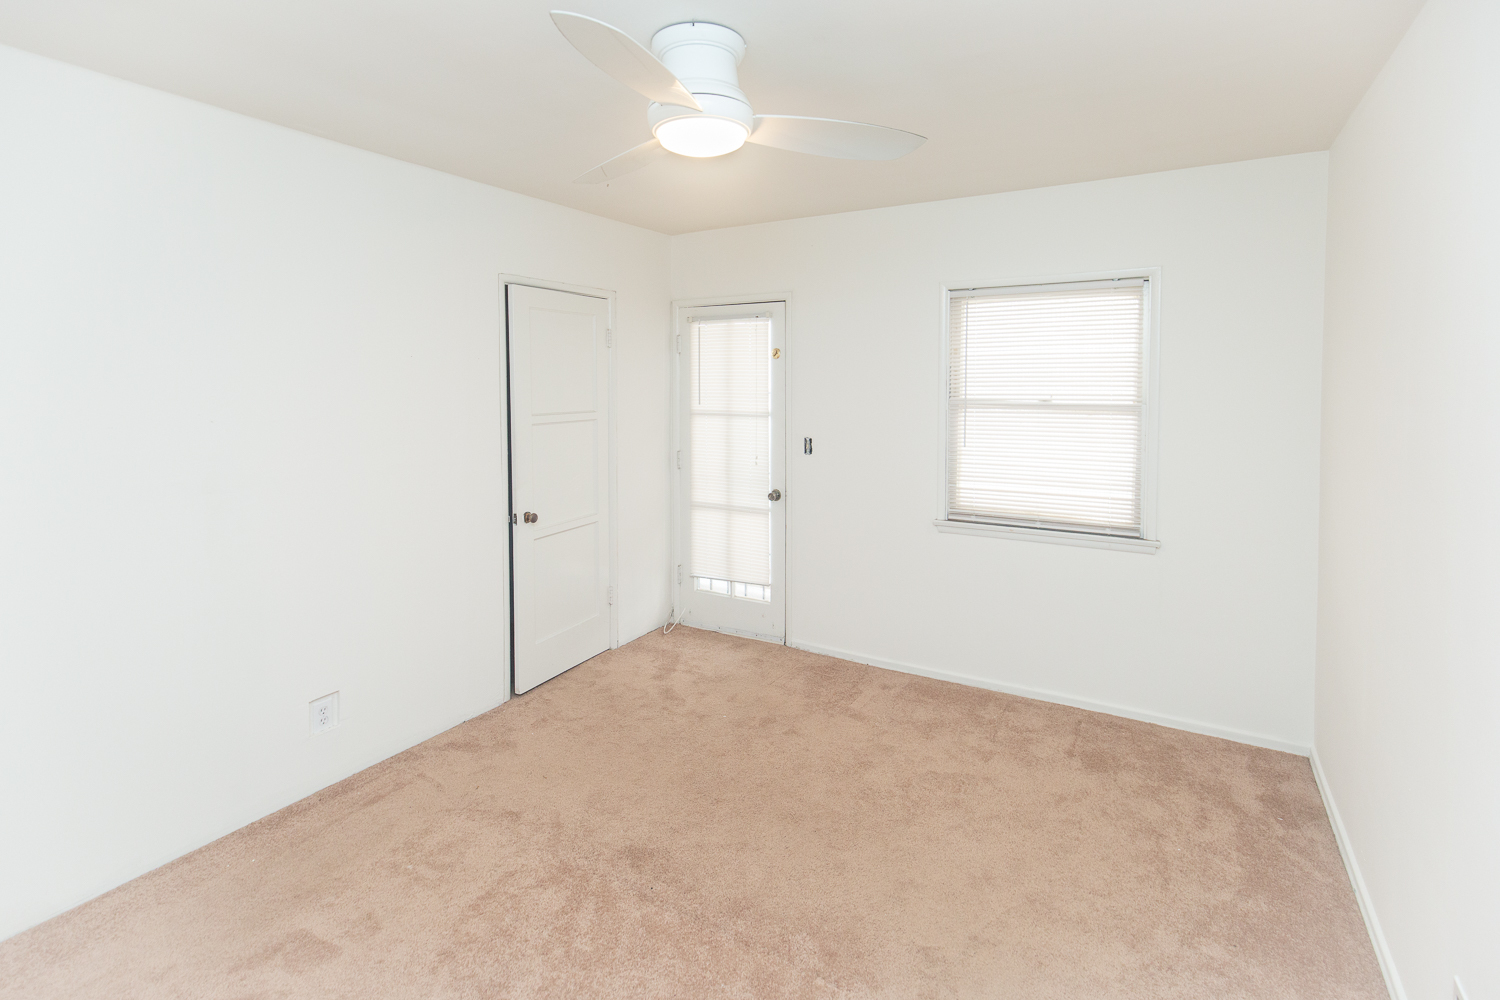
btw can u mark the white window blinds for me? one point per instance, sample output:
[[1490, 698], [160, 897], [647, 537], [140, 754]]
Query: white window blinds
[[731, 449], [1046, 406]]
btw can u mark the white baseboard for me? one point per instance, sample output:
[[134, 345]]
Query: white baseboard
[[757, 636], [1254, 739], [1366, 907]]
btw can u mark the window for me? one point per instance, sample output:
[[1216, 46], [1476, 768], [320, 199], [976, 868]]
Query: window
[[1049, 411], [730, 424], [730, 588]]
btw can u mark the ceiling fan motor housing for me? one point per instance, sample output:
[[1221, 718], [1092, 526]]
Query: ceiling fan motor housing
[[705, 57]]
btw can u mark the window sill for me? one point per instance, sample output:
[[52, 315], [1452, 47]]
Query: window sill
[[1045, 535]]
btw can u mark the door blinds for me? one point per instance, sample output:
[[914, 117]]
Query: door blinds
[[731, 449], [1045, 406]]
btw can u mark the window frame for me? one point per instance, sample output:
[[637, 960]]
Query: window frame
[[1150, 540]]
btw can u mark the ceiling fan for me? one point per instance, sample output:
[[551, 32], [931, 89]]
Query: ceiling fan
[[697, 108]]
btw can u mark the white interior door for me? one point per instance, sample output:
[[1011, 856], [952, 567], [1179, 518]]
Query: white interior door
[[559, 485], [731, 573]]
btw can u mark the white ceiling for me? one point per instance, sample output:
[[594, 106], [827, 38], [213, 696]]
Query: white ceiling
[[1011, 94]]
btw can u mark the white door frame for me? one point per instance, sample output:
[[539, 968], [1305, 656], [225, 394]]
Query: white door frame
[[677, 586], [613, 484]]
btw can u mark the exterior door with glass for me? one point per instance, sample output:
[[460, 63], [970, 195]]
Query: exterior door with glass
[[731, 468]]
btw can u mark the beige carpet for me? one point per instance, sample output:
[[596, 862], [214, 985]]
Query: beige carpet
[[701, 816]]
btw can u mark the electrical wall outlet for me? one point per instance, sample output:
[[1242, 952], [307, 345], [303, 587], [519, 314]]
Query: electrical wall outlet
[[324, 713]]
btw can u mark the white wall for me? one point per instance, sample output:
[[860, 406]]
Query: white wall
[[1214, 632], [1408, 680], [251, 451]]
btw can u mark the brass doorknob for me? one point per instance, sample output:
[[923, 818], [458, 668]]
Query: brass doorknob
[[529, 517]]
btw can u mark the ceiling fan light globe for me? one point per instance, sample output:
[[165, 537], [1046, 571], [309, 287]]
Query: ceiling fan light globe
[[701, 135]]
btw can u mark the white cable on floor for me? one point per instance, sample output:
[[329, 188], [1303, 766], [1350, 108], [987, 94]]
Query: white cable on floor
[[670, 625]]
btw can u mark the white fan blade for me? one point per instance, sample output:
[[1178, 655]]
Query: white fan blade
[[623, 58], [631, 159], [829, 137]]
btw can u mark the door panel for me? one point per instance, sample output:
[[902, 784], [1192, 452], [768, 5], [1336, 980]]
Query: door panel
[[572, 489], [731, 487], [562, 360], [559, 380], [566, 580]]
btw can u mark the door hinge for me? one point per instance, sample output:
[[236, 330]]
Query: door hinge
[[679, 458], [611, 592], [679, 575], [679, 343], [513, 519], [609, 338]]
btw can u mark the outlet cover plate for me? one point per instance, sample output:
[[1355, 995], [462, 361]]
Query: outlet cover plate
[[324, 713]]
